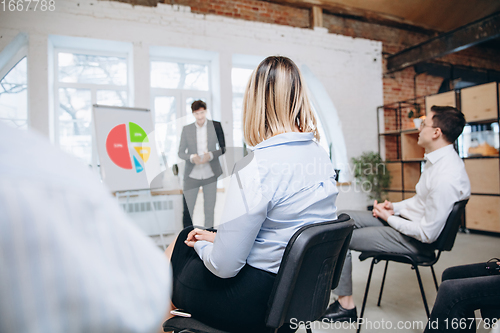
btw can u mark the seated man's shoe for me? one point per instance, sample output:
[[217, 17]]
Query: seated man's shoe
[[336, 312]]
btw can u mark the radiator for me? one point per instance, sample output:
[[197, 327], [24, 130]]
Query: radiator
[[161, 214]]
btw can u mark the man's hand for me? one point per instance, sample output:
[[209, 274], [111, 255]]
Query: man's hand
[[383, 210], [197, 159], [386, 205], [206, 158], [198, 235]]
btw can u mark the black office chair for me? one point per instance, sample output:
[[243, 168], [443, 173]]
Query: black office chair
[[311, 266], [443, 243]]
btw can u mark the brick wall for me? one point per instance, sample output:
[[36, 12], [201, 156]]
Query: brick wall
[[251, 10]]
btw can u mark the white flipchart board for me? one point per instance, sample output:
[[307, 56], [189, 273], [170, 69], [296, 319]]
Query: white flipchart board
[[126, 146]]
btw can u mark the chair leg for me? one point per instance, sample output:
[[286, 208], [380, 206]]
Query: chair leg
[[422, 290], [366, 294], [383, 281], [434, 276]]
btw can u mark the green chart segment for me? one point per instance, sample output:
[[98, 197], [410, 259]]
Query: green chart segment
[[117, 146], [137, 134]]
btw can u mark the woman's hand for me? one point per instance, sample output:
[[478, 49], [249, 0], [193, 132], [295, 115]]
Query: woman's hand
[[198, 235]]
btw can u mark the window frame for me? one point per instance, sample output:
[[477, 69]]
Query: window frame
[[14, 60], [181, 95], [241, 95], [92, 87]]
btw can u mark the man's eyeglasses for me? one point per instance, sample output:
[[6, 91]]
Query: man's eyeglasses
[[423, 124]]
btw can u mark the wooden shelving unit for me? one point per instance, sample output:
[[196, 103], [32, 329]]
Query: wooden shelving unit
[[480, 105], [405, 161], [398, 146]]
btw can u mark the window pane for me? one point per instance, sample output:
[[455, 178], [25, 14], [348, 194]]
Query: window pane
[[239, 78], [74, 122], [166, 128], [165, 75], [172, 75], [85, 68], [237, 125], [196, 77], [112, 97], [14, 97]]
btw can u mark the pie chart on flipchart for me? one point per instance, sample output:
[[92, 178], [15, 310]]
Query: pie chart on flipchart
[[122, 140]]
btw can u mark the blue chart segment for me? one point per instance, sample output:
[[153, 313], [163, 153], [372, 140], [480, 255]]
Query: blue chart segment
[[138, 166]]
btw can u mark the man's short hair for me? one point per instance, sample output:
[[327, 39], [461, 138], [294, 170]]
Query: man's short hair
[[199, 104], [450, 120]]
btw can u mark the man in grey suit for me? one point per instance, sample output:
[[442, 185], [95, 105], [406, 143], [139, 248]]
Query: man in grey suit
[[202, 142]]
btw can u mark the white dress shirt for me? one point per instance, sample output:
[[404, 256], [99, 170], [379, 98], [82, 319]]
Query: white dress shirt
[[442, 183], [201, 171], [287, 182], [70, 258]]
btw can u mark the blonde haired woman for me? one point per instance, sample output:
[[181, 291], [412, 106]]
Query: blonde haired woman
[[285, 183]]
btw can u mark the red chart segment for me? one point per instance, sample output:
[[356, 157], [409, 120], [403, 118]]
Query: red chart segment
[[117, 147]]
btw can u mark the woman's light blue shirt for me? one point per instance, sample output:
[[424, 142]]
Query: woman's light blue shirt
[[287, 182]]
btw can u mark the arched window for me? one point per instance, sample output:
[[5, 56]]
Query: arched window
[[329, 123], [14, 96]]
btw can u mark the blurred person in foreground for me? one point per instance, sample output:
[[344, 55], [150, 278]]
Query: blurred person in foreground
[[70, 259]]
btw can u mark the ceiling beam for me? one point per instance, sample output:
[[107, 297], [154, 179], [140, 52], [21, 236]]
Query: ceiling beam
[[357, 14], [316, 17], [450, 42]]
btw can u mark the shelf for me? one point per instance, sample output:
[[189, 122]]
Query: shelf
[[411, 175], [484, 121], [480, 102], [410, 150], [483, 175], [483, 213], [445, 99], [395, 196], [395, 132], [395, 172], [479, 157], [413, 160], [410, 131]]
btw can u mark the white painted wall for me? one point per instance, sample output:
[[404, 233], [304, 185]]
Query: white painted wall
[[349, 68]]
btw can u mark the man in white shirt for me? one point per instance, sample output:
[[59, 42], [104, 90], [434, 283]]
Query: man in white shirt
[[70, 258], [202, 142], [410, 226]]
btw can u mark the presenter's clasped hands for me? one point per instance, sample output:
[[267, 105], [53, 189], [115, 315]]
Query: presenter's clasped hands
[[383, 210], [198, 235], [197, 159]]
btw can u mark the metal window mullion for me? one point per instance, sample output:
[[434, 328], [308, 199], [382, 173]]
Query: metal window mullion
[[180, 60], [91, 52], [91, 86]]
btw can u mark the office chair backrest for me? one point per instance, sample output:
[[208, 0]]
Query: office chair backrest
[[447, 237], [312, 260]]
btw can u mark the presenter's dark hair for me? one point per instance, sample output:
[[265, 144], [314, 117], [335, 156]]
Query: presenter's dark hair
[[199, 104], [450, 120]]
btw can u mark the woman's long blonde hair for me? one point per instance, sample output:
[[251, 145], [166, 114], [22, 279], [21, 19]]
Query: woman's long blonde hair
[[275, 102]]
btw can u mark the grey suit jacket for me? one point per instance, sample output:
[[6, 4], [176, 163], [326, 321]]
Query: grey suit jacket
[[188, 146]]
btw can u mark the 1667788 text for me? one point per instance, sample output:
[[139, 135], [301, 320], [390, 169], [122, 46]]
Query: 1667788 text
[[27, 5]]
